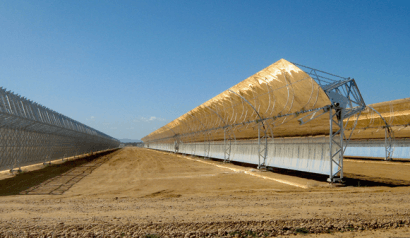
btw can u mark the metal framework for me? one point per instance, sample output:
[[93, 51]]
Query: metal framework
[[227, 145], [279, 101], [31, 133], [388, 136], [346, 101], [262, 148], [378, 127]]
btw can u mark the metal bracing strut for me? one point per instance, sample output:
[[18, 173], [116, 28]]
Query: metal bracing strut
[[176, 144], [388, 137], [346, 101], [336, 148], [388, 143], [227, 136], [207, 145], [227, 146], [262, 149]]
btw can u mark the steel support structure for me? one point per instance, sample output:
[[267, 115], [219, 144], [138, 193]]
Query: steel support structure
[[176, 144], [262, 140], [389, 143], [388, 137], [207, 145], [346, 101], [31, 133], [227, 146], [335, 144], [268, 100], [262, 148]]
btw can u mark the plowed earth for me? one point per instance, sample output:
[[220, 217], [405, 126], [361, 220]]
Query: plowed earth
[[137, 192]]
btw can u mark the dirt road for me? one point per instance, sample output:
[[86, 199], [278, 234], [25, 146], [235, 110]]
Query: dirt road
[[136, 192]]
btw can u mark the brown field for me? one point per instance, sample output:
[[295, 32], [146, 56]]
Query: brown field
[[136, 192]]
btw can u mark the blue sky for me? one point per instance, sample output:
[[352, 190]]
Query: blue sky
[[127, 68]]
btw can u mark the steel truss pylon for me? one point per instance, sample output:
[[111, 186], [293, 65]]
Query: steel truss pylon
[[227, 146], [336, 143], [388, 137], [345, 102], [389, 143], [176, 144], [262, 148], [207, 145]]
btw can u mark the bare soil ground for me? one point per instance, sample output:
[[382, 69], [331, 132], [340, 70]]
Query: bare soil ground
[[136, 192]]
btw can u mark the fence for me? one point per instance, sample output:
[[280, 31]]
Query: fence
[[31, 133]]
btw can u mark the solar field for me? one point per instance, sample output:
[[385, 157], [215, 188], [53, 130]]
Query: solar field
[[137, 192], [268, 157]]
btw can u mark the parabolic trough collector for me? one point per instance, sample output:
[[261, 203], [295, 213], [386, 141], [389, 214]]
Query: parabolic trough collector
[[282, 117]]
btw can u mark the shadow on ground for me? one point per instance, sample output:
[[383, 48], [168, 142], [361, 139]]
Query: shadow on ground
[[355, 180], [53, 179]]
